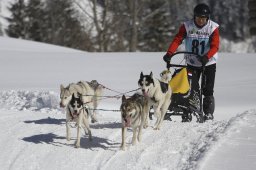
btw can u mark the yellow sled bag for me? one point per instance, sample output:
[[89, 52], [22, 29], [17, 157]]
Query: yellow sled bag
[[179, 82]]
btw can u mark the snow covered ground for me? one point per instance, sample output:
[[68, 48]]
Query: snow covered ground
[[32, 126]]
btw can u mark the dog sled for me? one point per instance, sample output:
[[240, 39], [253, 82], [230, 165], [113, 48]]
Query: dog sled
[[186, 100]]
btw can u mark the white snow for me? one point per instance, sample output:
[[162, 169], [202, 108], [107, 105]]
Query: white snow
[[32, 126]]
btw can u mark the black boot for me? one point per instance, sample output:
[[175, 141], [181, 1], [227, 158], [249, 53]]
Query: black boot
[[167, 117], [151, 113], [208, 107], [186, 117]]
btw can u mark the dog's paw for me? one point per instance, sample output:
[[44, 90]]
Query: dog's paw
[[86, 131], [123, 147], [94, 120], [145, 126], [156, 128], [77, 145], [134, 142]]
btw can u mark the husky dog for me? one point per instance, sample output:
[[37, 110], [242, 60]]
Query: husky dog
[[159, 96], [76, 112], [90, 95], [165, 76], [133, 114]]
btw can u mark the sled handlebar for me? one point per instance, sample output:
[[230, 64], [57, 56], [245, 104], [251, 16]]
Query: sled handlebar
[[178, 65], [183, 52], [175, 65]]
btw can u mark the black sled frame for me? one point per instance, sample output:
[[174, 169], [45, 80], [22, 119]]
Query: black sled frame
[[179, 104]]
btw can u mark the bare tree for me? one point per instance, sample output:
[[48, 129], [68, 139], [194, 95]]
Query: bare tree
[[252, 15], [100, 18], [1, 31], [134, 9]]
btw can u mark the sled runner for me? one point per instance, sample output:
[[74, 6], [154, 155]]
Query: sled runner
[[186, 97]]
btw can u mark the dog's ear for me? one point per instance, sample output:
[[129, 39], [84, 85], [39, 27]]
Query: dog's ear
[[141, 74], [73, 95], [79, 94], [61, 87], [123, 98], [151, 74]]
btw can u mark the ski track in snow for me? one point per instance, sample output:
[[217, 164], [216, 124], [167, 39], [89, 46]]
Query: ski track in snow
[[38, 120]]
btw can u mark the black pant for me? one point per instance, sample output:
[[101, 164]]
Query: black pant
[[208, 78]]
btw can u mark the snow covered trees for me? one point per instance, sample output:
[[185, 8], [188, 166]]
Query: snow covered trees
[[17, 23], [252, 15], [118, 25], [50, 21]]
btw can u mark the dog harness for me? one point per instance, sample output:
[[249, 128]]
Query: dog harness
[[164, 86]]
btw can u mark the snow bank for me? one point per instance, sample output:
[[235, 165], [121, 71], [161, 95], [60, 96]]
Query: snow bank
[[30, 100], [176, 146], [209, 136]]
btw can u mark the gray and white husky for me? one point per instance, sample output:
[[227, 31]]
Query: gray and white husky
[[76, 112], [158, 94], [133, 114], [90, 91]]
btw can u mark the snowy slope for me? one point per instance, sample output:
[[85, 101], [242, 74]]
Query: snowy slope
[[33, 126]]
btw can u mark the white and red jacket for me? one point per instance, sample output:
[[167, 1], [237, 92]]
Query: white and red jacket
[[202, 41]]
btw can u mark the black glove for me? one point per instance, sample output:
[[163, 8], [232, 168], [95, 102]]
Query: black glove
[[167, 58], [204, 60]]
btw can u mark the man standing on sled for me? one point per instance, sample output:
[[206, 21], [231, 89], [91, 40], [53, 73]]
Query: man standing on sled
[[201, 36]]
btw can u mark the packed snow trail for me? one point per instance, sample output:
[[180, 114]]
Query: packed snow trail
[[33, 137], [237, 149]]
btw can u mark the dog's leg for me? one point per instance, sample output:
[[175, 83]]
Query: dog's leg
[[79, 126], [87, 127], [140, 129], [85, 121], [67, 130], [147, 108], [143, 117], [123, 145], [86, 131], [163, 111], [158, 115], [67, 126], [95, 112], [92, 113], [134, 136], [164, 108]]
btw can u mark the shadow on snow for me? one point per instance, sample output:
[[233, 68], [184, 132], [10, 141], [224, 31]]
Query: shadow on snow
[[109, 125], [43, 138], [48, 120], [51, 138]]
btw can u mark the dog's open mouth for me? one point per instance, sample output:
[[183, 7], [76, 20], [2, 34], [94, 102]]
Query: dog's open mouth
[[74, 114], [145, 93], [127, 121]]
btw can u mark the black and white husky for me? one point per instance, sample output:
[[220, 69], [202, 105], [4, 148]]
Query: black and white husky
[[90, 91], [133, 114], [158, 94], [76, 112]]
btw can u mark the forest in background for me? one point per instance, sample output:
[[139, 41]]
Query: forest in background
[[117, 25]]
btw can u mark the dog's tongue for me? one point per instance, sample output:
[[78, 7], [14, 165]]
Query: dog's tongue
[[145, 93], [127, 121], [74, 114]]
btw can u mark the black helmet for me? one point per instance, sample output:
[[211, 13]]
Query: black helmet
[[202, 10]]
